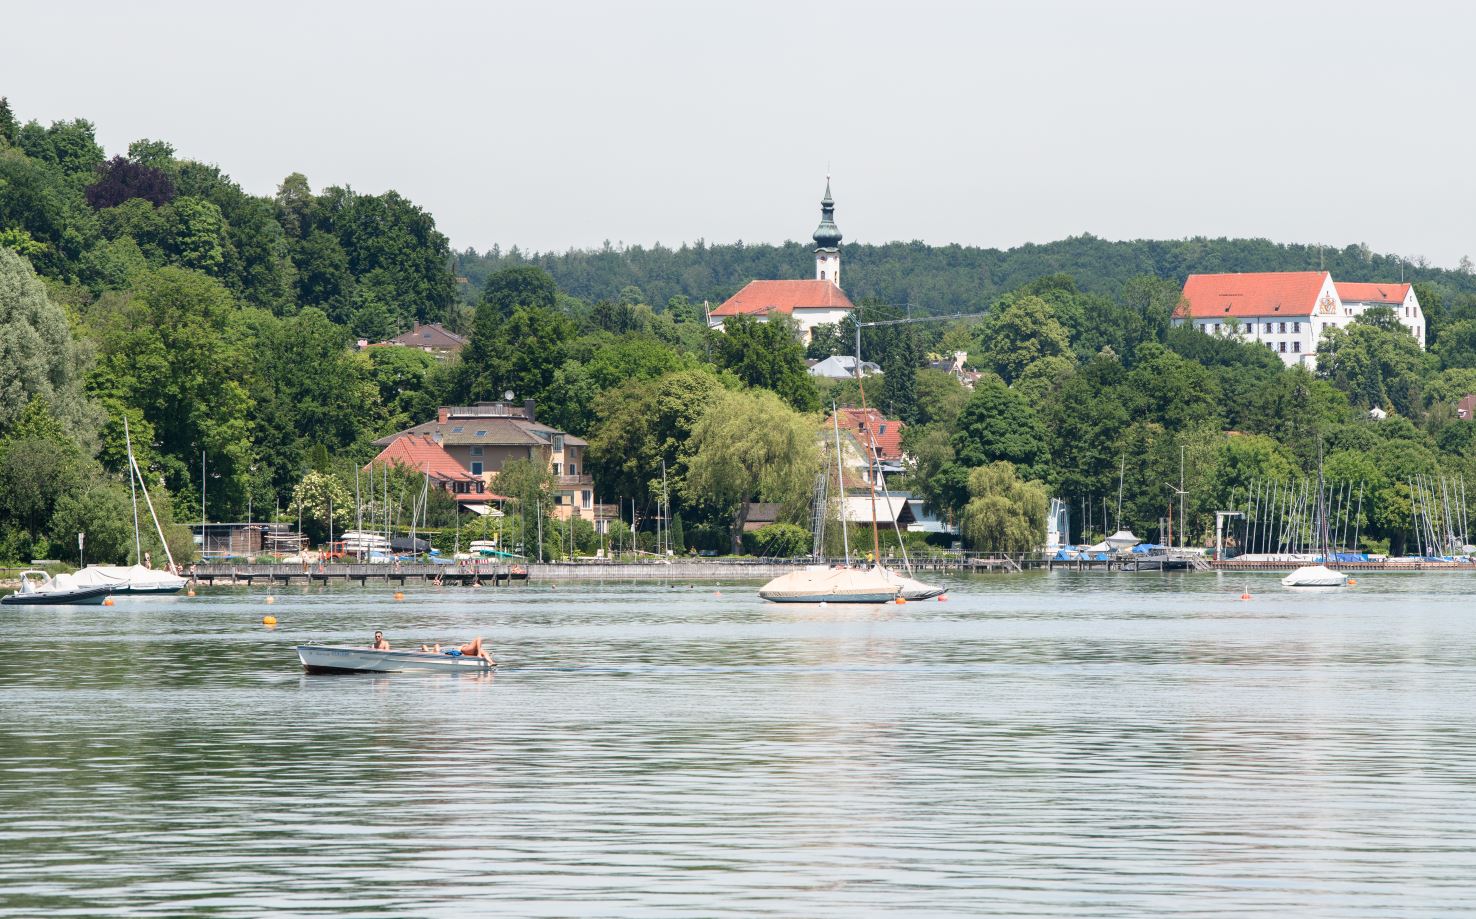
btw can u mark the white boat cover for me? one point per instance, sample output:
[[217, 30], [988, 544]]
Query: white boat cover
[[816, 583], [1122, 539], [910, 588], [1315, 576], [133, 577]]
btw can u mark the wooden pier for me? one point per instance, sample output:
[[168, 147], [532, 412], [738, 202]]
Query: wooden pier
[[489, 575]]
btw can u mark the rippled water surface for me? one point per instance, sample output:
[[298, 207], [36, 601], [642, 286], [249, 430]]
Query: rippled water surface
[[1068, 744]]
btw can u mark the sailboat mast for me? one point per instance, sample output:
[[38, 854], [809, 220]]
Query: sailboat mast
[[840, 483], [132, 495], [1121, 469], [149, 501], [870, 460]]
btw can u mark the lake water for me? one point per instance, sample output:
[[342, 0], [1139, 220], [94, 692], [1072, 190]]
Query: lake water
[[1064, 744]]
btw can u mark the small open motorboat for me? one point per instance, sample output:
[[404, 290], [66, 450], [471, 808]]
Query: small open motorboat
[[37, 588], [337, 659]]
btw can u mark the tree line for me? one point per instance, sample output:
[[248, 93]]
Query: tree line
[[222, 326]]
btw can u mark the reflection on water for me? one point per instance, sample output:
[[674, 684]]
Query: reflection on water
[[1070, 744]]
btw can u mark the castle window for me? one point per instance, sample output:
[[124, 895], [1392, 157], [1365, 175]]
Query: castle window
[[1283, 347], [1297, 346]]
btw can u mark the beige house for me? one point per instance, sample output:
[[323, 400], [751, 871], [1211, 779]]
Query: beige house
[[481, 437]]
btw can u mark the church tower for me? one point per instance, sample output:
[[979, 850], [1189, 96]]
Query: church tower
[[827, 241]]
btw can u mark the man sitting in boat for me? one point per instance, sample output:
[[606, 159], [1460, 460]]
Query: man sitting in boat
[[379, 643]]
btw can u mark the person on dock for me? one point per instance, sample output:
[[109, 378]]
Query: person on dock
[[379, 643]]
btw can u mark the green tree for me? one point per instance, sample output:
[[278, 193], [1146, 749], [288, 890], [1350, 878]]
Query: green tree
[[38, 358], [174, 353], [768, 354], [525, 285], [643, 423], [104, 512], [1004, 513], [1020, 333], [1377, 366], [751, 446], [314, 495], [997, 424]]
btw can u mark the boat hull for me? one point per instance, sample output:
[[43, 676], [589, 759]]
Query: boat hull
[[330, 659], [830, 598], [86, 596]]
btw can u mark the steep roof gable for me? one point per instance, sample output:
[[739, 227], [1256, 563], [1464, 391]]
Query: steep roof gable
[[423, 454], [761, 297], [1271, 293]]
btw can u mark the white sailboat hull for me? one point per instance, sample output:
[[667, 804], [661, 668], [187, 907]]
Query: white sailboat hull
[[333, 659], [911, 588]]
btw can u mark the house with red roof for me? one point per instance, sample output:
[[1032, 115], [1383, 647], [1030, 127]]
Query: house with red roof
[[810, 302], [478, 439], [879, 438], [424, 454], [1289, 310]]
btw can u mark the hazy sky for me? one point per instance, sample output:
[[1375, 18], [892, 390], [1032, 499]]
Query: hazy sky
[[551, 125]]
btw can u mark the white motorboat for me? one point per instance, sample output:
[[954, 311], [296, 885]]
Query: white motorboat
[[1315, 576], [132, 579], [337, 659], [37, 588], [823, 584]]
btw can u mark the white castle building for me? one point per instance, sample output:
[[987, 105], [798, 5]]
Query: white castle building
[[809, 302], [1288, 310]]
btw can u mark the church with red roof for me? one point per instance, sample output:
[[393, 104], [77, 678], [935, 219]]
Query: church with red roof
[[809, 303], [1289, 310]]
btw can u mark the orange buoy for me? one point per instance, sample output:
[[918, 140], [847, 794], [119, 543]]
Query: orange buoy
[[942, 597], [399, 595], [190, 592], [1352, 581], [900, 600], [108, 602], [268, 620], [1245, 596]]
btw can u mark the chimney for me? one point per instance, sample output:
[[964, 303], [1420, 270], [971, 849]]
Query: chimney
[[442, 414], [530, 409]]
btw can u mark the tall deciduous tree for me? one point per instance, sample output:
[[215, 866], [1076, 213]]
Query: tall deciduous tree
[[1004, 513], [1022, 332], [751, 446], [38, 358], [768, 354]]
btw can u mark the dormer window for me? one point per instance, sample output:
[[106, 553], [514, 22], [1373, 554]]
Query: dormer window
[[481, 434], [457, 430]]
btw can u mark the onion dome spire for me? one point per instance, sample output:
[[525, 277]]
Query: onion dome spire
[[827, 235]]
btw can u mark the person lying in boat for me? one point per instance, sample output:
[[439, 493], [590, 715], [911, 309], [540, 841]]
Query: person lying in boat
[[379, 643], [474, 648]]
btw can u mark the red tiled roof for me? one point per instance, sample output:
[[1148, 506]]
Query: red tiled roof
[[1272, 293], [868, 425], [760, 297], [423, 454], [1372, 293]]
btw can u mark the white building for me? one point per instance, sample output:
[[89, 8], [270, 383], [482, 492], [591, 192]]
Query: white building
[[1289, 310], [810, 303]]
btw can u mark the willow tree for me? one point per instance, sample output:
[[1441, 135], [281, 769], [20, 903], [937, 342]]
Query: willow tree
[[1005, 513], [750, 446], [38, 358]]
